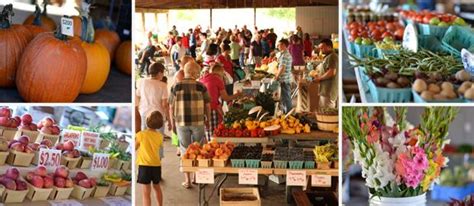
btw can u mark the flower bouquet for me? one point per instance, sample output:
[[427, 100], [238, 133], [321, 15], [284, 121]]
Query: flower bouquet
[[399, 161]]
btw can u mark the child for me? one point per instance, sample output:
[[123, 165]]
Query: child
[[148, 146]]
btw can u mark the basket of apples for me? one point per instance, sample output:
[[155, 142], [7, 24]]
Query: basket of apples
[[63, 185], [86, 160], [3, 151], [102, 188], [15, 188], [8, 124], [21, 152], [40, 185], [28, 128], [46, 144], [70, 157], [83, 186], [48, 130]]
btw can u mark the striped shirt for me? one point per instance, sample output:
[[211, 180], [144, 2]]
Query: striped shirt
[[285, 60], [189, 98]]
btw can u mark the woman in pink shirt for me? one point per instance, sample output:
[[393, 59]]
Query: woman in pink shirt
[[214, 83], [226, 62]]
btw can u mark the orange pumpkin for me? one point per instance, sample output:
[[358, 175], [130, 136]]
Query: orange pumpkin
[[52, 69], [35, 30], [13, 40], [123, 57], [109, 39], [43, 20]]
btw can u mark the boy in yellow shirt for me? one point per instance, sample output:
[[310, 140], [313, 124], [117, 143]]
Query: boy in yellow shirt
[[148, 144]]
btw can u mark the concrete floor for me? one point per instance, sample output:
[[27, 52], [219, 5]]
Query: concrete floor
[[174, 194]]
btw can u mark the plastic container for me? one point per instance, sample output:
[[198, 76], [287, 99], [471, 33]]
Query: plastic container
[[417, 99], [430, 43], [252, 163], [382, 52], [446, 193], [364, 51], [296, 164], [381, 94], [266, 164], [280, 164], [237, 163], [458, 38], [436, 31], [400, 201], [309, 164]]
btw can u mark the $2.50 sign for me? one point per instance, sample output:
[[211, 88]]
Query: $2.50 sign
[[50, 158], [100, 161]]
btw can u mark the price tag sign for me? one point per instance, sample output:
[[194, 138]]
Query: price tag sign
[[205, 176], [100, 161], [72, 135], [65, 203], [50, 158], [67, 26], [296, 177], [116, 201], [321, 180], [248, 177], [89, 139]]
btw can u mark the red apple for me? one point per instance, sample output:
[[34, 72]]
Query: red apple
[[59, 146], [12, 173], [33, 127], [69, 183], [40, 125], [37, 181], [34, 146], [68, 146], [76, 153], [46, 130], [61, 171], [48, 182], [29, 176], [24, 139], [55, 130], [47, 142], [4, 121], [68, 154], [60, 182], [28, 149], [48, 122], [17, 146], [8, 183], [27, 119], [5, 112], [41, 171], [21, 185], [80, 176], [12, 142], [86, 183]]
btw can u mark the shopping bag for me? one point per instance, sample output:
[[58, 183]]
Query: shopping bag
[[174, 139]]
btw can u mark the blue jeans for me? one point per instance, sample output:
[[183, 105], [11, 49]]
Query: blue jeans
[[242, 60], [189, 134], [285, 96]]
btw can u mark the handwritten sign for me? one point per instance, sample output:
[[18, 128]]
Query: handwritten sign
[[205, 176], [89, 139], [321, 180], [248, 177], [116, 201], [410, 38], [65, 203], [71, 135], [296, 177], [50, 158], [67, 26], [100, 161]]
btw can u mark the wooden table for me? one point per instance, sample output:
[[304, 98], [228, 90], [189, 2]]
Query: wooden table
[[313, 135]]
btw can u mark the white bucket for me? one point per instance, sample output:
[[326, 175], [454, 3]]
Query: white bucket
[[399, 201]]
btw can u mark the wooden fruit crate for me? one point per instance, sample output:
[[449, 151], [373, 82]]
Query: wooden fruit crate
[[240, 192]]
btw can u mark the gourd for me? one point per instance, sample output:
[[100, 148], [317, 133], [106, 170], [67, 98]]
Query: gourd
[[52, 69], [123, 57], [13, 40], [41, 19]]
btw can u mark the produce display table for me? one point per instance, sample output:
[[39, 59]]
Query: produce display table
[[116, 89], [221, 174], [313, 135], [262, 140]]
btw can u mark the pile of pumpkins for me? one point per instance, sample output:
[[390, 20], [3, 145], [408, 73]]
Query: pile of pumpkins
[[47, 66]]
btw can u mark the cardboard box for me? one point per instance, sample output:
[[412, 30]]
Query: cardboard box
[[13, 196], [54, 138], [33, 135], [8, 133], [60, 193], [3, 157], [16, 158], [116, 190], [249, 192], [122, 165], [81, 193], [187, 163], [70, 163], [100, 191], [37, 194], [85, 163]]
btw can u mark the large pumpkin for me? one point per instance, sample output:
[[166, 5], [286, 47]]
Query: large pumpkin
[[35, 30], [109, 39], [52, 69], [41, 19], [13, 40], [123, 57]]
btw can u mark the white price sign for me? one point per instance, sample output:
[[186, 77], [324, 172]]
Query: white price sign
[[72, 135], [296, 177], [100, 161], [321, 180], [50, 158], [67, 26], [205, 176], [116, 201], [65, 203], [248, 177], [89, 139]]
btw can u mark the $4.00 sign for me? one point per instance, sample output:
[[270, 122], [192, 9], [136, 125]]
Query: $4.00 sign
[[100, 161], [50, 158]]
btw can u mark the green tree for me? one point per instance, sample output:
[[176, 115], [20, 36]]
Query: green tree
[[186, 15], [281, 13]]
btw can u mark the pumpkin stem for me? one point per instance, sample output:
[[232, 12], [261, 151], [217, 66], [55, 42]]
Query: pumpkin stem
[[37, 20], [45, 2], [5, 16]]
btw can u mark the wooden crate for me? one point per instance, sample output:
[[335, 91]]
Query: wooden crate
[[244, 191], [16, 158], [219, 162]]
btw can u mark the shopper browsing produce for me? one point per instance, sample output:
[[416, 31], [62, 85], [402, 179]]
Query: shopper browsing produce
[[328, 86], [147, 143], [284, 74]]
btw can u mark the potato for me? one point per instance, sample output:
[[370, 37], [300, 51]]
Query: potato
[[450, 94], [393, 85], [427, 95], [403, 82], [439, 97], [469, 94], [463, 75], [447, 86], [419, 85], [464, 86], [434, 88]]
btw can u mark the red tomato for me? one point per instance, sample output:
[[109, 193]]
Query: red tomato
[[381, 23], [372, 27], [375, 33], [391, 27], [445, 18], [354, 32], [419, 18], [386, 34], [399, 34], [427, 18], [354, 25]]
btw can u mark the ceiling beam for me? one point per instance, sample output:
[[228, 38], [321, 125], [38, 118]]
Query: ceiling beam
[[205, 4]]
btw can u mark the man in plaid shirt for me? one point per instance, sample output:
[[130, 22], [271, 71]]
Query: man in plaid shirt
[[284, 74], [190, 110]]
